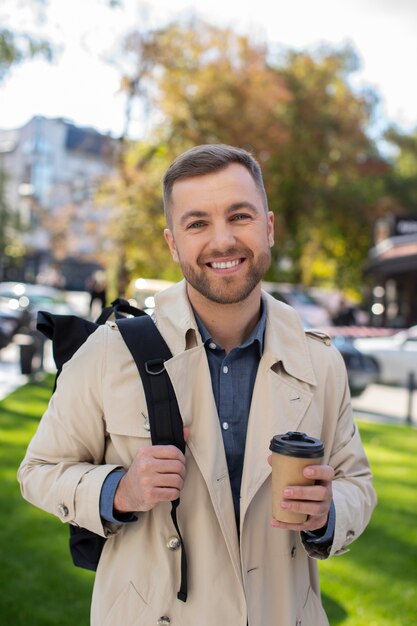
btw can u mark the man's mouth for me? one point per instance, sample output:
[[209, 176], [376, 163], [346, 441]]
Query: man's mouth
[[224, 265]]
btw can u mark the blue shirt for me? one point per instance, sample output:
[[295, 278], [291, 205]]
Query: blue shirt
[[233, 377]]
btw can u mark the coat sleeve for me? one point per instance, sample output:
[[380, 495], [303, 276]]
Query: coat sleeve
[[63, 469], [354, 497]]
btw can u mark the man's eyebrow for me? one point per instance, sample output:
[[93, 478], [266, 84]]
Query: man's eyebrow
[[237, 206], [193, 213], [198, 214]]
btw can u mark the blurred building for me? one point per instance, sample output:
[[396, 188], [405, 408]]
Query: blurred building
[[53, 168], [392, 268]]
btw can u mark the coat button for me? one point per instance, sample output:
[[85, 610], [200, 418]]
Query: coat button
[[350, 535], [63, 510], [164, 621], [173, 543]]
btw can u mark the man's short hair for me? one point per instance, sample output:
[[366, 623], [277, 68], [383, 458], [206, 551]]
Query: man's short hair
[[207, 159]]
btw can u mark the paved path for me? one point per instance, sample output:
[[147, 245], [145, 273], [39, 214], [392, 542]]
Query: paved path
[[386, 404], [10, 375]]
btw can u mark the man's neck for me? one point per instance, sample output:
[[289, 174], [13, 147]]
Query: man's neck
[[228, 324]]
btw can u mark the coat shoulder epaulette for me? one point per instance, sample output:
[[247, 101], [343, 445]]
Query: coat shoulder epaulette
[[319, 335]]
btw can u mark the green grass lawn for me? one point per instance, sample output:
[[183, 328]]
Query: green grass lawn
[[375, 584], [39, 585]]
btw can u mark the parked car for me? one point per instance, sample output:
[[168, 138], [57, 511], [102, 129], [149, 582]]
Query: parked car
[[141, 292], [33, 298], [396, 356], [11, 321], [23, 301], [362, 370], [310, 311]]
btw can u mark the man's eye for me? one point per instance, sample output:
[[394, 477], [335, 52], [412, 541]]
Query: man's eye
[[195, 225], [240, 217]]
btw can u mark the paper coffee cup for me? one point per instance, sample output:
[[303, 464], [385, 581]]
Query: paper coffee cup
[[291, 453]]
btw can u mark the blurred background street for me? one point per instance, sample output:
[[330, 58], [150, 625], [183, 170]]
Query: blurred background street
[[383, 403]]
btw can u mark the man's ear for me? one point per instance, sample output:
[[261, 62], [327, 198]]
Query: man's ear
[[271, 221], [169, 238]]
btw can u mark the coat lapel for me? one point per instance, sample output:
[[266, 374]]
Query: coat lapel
[[281, 397], [190, 376], [277, 406]]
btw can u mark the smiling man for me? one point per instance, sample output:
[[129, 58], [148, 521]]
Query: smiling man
[[243, 370]]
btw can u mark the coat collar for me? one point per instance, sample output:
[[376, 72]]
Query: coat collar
[[285, 340]]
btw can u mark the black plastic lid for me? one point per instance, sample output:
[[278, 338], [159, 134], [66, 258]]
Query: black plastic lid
[[298, 445]]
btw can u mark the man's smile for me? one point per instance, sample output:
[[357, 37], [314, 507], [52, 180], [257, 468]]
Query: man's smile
[[224, 265]]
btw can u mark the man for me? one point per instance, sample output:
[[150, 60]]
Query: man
[[243, 370]]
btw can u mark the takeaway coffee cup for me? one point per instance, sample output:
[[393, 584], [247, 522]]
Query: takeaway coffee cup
[[291, 453]]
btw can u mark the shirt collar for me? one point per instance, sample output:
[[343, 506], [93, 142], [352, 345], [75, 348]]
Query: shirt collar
[[256, 336]]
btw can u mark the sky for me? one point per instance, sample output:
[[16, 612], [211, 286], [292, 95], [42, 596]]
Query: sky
[[82, 83]]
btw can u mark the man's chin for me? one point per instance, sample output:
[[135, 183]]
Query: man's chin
[[225, 293]]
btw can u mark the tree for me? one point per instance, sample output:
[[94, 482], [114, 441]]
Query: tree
[[401, 183], [17, 46], [322, 184]]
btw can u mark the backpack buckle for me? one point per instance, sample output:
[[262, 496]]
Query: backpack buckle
[[152, 364]]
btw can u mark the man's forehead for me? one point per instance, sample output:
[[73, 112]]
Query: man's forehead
[[233, 178]]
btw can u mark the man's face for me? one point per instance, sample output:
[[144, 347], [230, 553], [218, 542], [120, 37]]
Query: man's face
[[220, 234]]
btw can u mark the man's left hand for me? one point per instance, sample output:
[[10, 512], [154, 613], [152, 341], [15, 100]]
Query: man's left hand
[[312, 500]]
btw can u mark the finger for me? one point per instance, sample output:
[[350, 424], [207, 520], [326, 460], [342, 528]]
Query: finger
[[165, 494], [313, 492], [160, 494], [319, 472], [313, 523], [170, 481], [306, 507], [162, 452], [151, 467], [170, 467], [186, 432]]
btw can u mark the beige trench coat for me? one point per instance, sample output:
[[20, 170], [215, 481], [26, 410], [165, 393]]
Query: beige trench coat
[[96, 421]]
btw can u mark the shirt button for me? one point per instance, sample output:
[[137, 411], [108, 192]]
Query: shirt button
[[225, 369], [212, 345], [163, 621], [225, 425]]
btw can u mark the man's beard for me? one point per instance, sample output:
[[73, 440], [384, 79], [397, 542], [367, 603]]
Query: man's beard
[[228, 289]]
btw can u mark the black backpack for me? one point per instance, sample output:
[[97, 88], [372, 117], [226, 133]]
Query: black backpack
[[149, 351]]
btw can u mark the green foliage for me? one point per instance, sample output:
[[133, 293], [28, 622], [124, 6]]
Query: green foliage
[[17, 47], [401, 184]]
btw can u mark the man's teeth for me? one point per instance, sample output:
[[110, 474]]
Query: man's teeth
[[223, 265]]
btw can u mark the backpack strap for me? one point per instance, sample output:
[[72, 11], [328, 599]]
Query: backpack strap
[[144, 341]]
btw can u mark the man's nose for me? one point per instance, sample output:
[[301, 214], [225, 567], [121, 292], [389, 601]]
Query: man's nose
[[223, 237]]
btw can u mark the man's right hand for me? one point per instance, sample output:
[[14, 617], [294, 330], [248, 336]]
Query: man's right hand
[[156, 475]]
